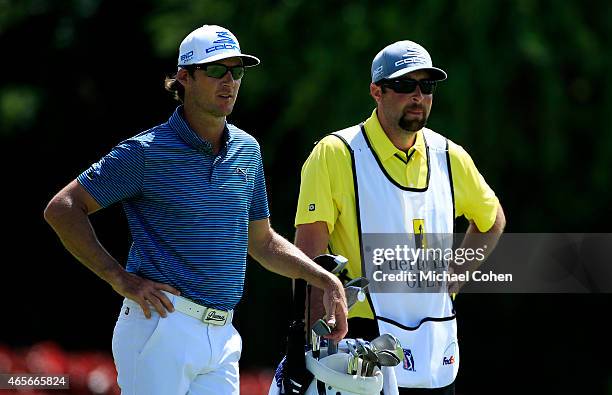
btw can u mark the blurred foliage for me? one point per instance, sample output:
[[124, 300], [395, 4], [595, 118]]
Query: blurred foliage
[[18, 108], [528, 94]]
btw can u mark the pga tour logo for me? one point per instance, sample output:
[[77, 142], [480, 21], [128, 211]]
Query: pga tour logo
[[408, 360]]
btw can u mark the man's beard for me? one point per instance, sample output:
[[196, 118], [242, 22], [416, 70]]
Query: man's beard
[[415, 124]]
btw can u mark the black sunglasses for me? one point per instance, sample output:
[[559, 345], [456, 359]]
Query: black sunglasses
[[409, 85], [218, 70]]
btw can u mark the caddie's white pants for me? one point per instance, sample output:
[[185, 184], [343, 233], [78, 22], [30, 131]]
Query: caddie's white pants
[[176, 355]]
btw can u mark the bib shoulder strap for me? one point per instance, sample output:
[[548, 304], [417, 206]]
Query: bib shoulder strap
[[349, 135], [435, 141]]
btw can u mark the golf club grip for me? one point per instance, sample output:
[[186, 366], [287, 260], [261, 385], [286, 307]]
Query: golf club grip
[[295, 345], [326, 261], [332, 347], [299, 298]]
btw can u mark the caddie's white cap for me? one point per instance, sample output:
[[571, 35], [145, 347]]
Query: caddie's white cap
[[210, 43]]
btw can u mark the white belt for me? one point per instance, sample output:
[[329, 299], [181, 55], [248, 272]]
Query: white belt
[[207, 315]]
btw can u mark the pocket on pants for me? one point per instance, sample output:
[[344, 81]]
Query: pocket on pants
[[133, 332], [235, 345]]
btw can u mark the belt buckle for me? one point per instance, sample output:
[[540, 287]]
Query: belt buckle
[[215, 317]]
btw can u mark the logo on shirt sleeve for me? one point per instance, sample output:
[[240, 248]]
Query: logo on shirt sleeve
[[311, 207], [244, 172]]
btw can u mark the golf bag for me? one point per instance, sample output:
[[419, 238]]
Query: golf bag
[[301, 372], [330, 377]]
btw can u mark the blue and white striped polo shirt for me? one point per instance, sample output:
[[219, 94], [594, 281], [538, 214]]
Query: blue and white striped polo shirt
[[188, 210]]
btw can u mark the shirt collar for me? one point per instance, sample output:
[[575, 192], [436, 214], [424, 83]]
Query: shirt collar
[[383, 146], [178, 123]]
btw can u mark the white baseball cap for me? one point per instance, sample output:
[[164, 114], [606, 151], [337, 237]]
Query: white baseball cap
[[210, 43], [401, 58]]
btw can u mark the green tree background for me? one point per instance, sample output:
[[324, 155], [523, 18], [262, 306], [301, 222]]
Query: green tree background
[[528, 96]]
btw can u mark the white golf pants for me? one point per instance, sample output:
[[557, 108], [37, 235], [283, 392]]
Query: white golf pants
[[176, 355]]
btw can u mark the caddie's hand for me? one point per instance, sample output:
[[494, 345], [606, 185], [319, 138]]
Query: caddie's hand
[[336, 311], [454, 286], [317, 309], [145, 292]]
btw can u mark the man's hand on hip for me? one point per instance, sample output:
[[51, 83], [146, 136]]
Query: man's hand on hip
[[143, 292]]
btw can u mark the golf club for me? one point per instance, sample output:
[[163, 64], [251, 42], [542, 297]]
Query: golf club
[[371, 360], [387, 358], [332, 263], [354, 360], [388, 342], [320, 328], [360, 282]]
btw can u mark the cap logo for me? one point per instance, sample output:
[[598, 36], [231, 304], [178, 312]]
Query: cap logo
[[378, 71], [408, 61], [224, 41], [187, 56], [411, 57], [224, 37]]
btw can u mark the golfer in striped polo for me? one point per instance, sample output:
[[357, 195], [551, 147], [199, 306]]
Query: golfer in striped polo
[[194, 195]]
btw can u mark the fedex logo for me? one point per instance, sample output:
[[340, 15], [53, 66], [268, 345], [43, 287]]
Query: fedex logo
[[448, 361]]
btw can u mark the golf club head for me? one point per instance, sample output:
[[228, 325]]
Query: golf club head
[[371, 355], [387, 358], [386, 341], [352, 295], [354, 361], [332, 263], [321, 328], [360, 282], [369, 360], [332, 347], [354, 291], [361, 348], [352, 349], [359, 345], [367, 354]]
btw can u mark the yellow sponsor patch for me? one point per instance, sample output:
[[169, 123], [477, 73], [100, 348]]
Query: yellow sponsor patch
[[418, 226]]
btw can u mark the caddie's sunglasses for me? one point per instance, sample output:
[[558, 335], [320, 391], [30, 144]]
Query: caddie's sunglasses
[[218, 70], [409, 85]]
